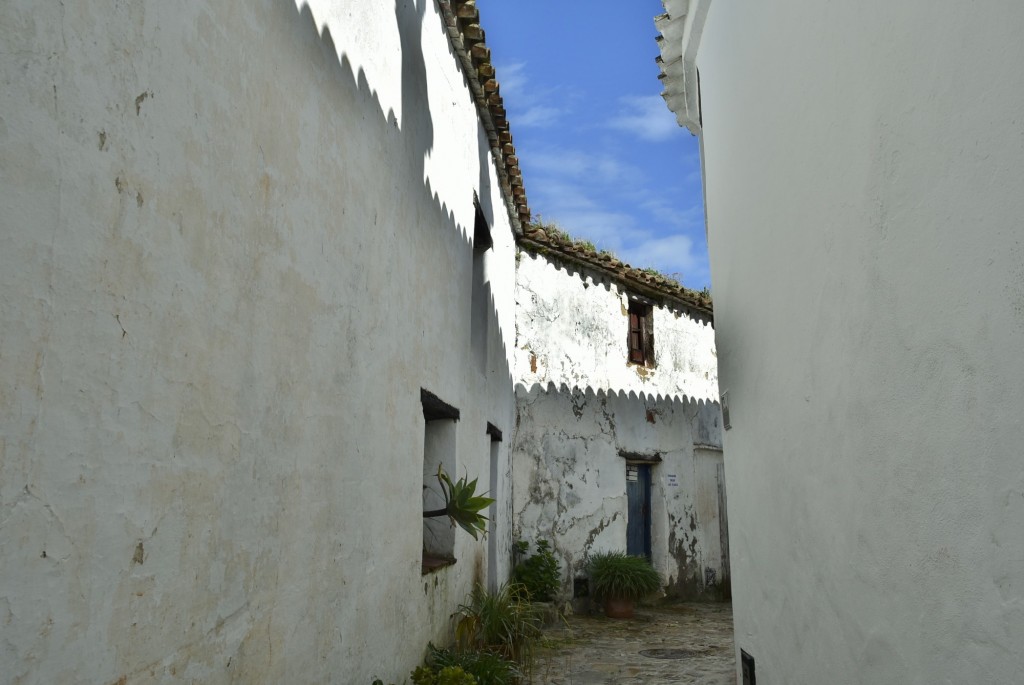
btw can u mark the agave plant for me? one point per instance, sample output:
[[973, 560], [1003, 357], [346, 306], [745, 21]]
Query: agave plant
[[462, 505]]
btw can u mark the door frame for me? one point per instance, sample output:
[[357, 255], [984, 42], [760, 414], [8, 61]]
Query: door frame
[[644, 477]]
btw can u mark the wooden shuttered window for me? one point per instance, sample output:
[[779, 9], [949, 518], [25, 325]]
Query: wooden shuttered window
[[636, 337], [641, 334]]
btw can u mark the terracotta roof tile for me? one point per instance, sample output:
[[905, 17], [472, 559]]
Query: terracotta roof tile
[[537, 240], [466, 35]]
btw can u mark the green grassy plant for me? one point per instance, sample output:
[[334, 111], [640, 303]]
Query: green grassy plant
[[488, 668], [619, 575], [502, 622], [449, 675]]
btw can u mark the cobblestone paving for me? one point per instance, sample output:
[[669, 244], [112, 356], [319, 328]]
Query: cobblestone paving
[[592, 650]]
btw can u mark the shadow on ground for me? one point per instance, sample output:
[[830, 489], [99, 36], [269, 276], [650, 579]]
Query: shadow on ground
[[679, 643]]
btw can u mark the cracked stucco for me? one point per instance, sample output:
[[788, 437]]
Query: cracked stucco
[[571, 329], [569, 481], [580, 404]]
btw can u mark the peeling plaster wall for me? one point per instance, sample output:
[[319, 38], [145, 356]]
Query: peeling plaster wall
[[570, 482], [580, 404], [571, 328], [863, 166], [234, 245]]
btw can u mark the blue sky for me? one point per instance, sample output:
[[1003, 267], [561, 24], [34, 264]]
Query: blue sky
[[601, 154]]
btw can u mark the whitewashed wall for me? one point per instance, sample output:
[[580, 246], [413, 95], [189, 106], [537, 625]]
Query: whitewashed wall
[[234, 245], [580, 403], [570, 482], [863, 166], [571, 328]]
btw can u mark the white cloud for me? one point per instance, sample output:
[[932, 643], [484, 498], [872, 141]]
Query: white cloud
[[556, 162], [513, 80], [672, 254], [576, 164], [596, 195], [538, 115], [670, 215], [527, 105], [563, 195], [606, 228], [646, 117]]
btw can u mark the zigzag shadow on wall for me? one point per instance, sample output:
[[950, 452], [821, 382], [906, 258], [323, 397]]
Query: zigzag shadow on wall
[[704, 416], [551, 388], [437, 236]]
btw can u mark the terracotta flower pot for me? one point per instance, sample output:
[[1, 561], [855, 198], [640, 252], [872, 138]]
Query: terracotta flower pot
[[617, 607]]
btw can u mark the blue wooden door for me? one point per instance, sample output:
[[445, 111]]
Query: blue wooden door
[[638, 512]]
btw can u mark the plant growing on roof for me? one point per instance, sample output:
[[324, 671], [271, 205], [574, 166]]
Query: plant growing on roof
[[670, 279], [462, 505], [552, 229]]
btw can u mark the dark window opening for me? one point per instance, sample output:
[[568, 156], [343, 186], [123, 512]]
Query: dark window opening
[[747, 663], [481, 291], [439, 419], [641, 333], [492, 513], [481, 232]]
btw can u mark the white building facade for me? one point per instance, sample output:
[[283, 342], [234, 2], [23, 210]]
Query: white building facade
[[862, 173], [617, 445], [256, 281]]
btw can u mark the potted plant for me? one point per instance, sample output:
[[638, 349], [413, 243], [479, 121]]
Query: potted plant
[[620, 580]]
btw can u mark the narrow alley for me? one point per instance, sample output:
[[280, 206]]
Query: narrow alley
[[678, 643]]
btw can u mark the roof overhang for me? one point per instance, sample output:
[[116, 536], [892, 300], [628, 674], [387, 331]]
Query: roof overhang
[[462, 21], [680, 29]]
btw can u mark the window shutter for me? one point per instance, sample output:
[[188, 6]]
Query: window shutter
[[636, 333], [648, 327]]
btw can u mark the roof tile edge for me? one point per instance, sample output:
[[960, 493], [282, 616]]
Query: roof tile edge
[[536, 240], [462, 21]]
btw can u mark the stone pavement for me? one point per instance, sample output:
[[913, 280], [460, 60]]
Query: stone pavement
[[678, 643]]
